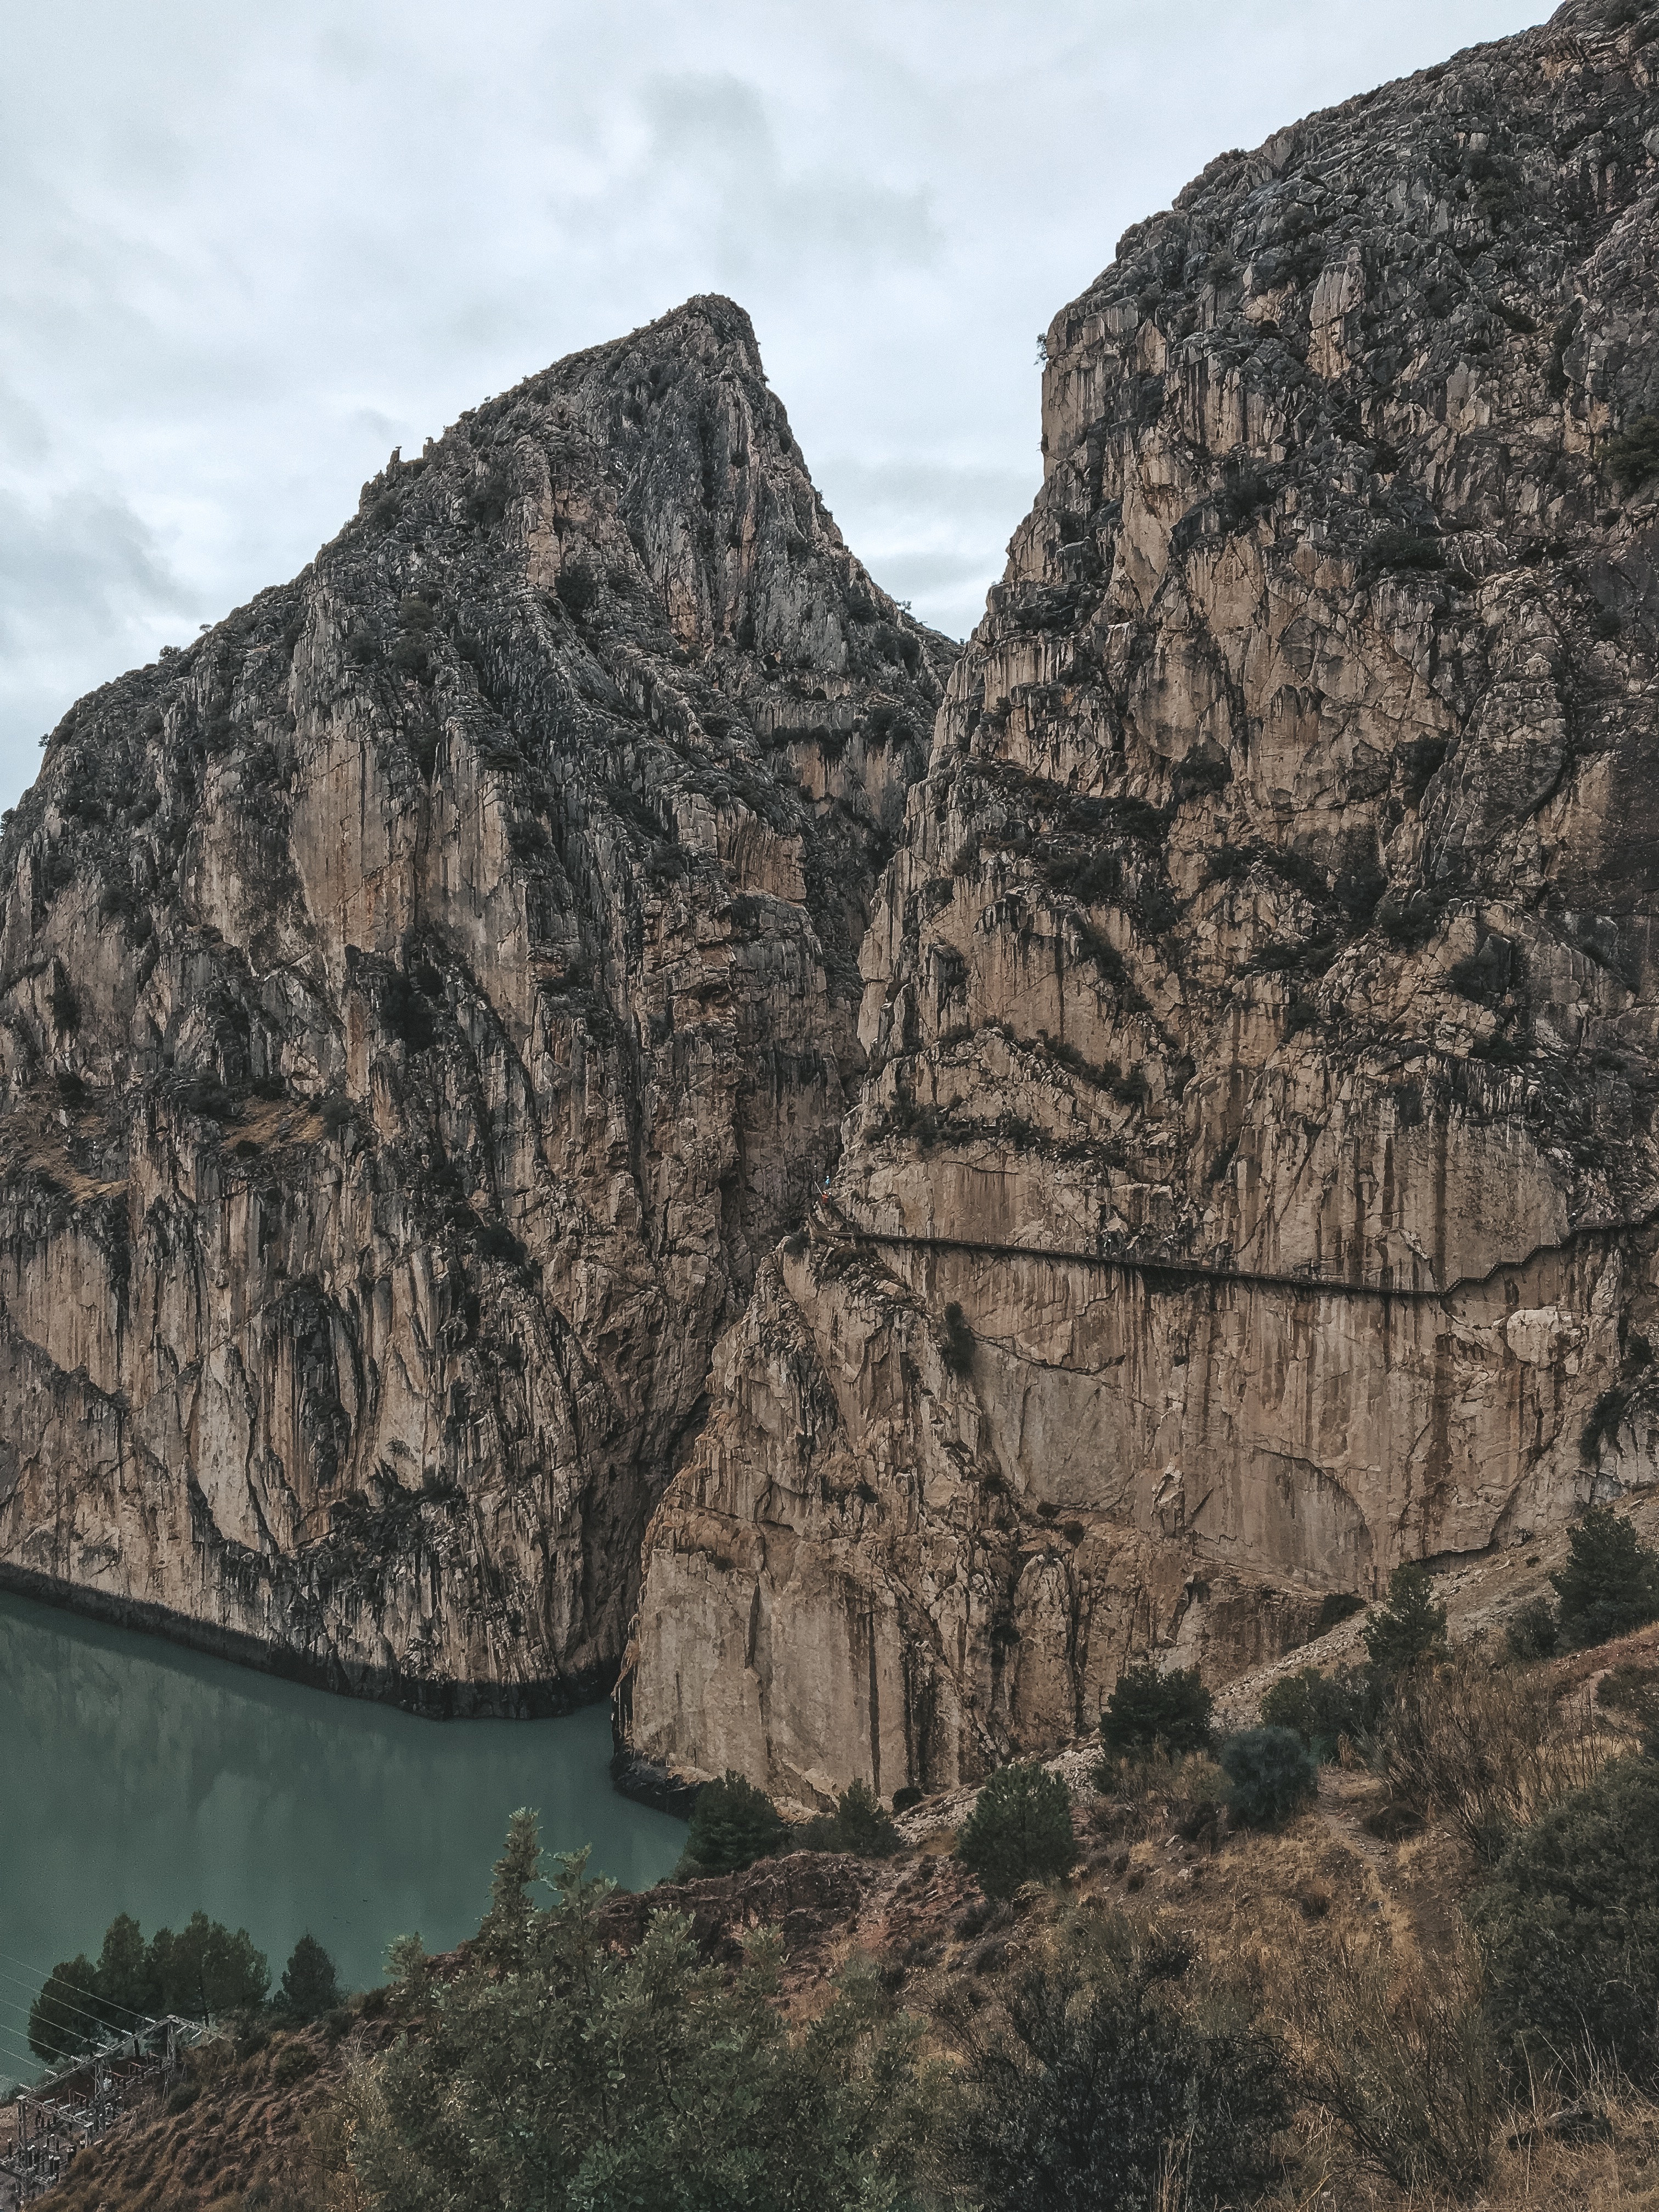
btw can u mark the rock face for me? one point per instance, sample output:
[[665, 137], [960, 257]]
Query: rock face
[[423, 1004], [1255, 1179]]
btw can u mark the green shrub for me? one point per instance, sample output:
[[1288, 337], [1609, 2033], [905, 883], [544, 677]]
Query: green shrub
[[1610, 1583], [1321, 1709], [1271, 1774], [1570, 1923], [733, 1825], [857, 1825], [1409, 1626], [1088, 2098], [1019, 1831], [563, 2070], [1149, 1711], [1532, 1631]]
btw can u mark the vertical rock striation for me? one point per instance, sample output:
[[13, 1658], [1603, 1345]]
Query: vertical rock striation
[[1254, 1184], [423, 1004]]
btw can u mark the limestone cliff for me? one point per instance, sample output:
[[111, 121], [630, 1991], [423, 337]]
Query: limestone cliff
[[423, 1003], [1255, 1180]]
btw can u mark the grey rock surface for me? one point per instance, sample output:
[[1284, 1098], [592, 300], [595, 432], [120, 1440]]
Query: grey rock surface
[[1262, 1005], [424, 1003]]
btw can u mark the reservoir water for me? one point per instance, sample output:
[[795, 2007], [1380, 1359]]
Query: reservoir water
[[137, 1776]]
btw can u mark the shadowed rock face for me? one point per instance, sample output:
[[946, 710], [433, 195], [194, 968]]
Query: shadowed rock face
[[423, 1003], [1279, 901]]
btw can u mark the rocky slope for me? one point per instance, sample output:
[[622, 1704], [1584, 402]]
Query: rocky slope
[[423, 1004], [1255, 1180]]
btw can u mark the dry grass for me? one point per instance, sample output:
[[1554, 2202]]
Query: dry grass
[[246, 2143], [1488, 1750]]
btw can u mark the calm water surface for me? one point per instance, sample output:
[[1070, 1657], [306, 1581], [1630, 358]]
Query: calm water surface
[[136, 1777]]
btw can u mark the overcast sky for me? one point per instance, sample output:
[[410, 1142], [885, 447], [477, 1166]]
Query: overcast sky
[[248, 248]]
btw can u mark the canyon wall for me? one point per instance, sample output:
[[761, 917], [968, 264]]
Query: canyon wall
[[423, 1004], [1253, 1183]]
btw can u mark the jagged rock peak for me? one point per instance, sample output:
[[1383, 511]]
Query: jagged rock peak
[[1255, 1180], [422, 1001]]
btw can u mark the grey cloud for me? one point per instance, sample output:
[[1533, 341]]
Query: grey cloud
[[248, 250], [84, 591]]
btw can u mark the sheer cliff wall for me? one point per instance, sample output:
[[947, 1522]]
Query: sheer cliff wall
[[1254, 1182], [423, 1002]]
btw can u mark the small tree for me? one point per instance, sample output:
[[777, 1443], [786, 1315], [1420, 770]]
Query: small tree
[[206, 1969], [733, 1825], [309, 1986], [65, 2017], [1150, 1711], [126, 1973], [1533, 1632], [1019, 1830], [859, 1825], [1610, 1583], [1321, 1709], [501, 1934], [1409, 1626], [1271, 1774]]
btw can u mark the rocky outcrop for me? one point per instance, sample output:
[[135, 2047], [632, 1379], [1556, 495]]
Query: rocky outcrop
[[1254, 1182], [423, 1004]]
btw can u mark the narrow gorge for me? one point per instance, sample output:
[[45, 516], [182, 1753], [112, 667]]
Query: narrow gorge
[[582, 1093]]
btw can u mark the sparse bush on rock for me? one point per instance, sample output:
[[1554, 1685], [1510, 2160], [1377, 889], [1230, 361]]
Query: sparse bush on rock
[[857, 1825], [733, 1825], [1152, 1710]]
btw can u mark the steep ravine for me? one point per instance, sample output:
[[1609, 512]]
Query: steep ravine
[[1279, 901], [424, 1003]]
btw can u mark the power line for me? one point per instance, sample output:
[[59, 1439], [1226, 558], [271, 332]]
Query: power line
[[63, 2004], [43, 1975]]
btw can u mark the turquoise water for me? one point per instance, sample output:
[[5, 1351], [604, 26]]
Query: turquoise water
[[136, 1776]]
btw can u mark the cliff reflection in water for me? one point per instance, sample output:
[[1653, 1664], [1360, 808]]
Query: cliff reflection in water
[[136, 1776]]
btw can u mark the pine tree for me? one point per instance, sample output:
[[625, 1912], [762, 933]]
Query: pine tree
[[1610, 1583], [1409, 1626], [126, 1973], [309, 1986], [65, 2018], [1019, 1830]]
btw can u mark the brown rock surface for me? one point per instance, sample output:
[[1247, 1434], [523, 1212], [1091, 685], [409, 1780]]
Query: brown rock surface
[[1261, 1003], [423, 1003]]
